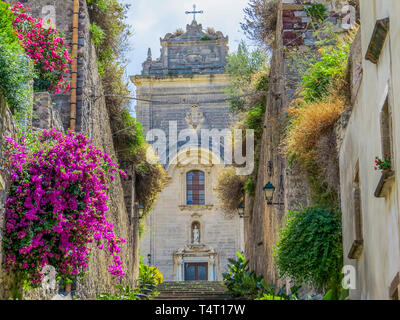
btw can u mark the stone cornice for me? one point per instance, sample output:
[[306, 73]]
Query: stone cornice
[[196, 207], [178, 79]]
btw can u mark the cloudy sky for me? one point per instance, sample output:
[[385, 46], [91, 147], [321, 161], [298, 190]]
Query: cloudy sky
[[152, 19]]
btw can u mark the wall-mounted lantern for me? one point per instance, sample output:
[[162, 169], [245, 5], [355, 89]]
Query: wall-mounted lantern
[[269, 190], [141, 211], [240, 210]]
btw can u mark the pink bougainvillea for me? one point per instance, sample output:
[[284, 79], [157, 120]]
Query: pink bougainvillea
[[57, 206], [46, 48]]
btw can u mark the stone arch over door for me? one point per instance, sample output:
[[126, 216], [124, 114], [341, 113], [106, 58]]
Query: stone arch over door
[[196, 254]]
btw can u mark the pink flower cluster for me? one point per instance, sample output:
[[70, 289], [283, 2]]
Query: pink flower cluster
[[45, 47], [57, 206]]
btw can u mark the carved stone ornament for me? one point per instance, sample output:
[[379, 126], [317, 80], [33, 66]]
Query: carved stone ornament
[[195, 118]]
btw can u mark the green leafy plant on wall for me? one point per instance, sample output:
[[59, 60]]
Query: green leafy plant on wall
[[309, 249], [250, 186], [16, 70], [98, 34], [317, 11], [206, 38]]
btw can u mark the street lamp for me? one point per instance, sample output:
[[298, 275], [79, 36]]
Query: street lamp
[[240, 210], [269, 190], [141, 211]]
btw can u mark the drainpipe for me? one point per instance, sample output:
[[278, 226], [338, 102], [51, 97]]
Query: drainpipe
[[74, 74]]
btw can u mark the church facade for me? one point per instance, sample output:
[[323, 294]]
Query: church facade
[[181, 94]]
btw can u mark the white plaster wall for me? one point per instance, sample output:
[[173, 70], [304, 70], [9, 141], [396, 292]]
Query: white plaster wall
[[380, 260]]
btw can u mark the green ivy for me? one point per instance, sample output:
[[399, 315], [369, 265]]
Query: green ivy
[[133, 135], [318, 79], [16, 70], [98, 34], [250, 186], [309, 249], [318, 12], [255, 119]]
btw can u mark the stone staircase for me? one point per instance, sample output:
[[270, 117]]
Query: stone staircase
[[192, 290]]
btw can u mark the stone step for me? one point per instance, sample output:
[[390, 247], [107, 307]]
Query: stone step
[[180, 293], [193, 298], [192, 290]]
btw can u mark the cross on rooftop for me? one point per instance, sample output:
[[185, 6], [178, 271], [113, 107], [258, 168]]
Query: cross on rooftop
[[194, 12]]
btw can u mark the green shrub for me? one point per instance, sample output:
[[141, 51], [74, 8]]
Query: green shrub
[[206, 38], [319, 78], [242, 283], [255, 119], [318, 12], [149, 275], [16, 70], [309, 249], [269, 297], [242, 66], [124, 293], [250, 186], [98, 34]]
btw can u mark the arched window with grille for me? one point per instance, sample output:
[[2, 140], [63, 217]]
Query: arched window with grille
[[195, 190]]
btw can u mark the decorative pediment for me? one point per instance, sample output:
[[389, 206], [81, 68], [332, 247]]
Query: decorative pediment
[[193, 58]]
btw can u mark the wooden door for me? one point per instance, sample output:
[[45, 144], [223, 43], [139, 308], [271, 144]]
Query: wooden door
[[196, 271]]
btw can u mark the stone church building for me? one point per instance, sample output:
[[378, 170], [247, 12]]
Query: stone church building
[[188, 236]]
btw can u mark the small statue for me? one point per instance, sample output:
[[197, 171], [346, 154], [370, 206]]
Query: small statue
[[196, 235]]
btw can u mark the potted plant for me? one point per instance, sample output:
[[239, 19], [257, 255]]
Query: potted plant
[[384, 165]]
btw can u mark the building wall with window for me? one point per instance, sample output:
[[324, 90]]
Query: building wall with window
[[369, 197], [188, 236], [171, 238]]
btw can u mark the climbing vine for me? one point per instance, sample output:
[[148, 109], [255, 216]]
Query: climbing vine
[[46, 48], [57, 206], [310, 247]]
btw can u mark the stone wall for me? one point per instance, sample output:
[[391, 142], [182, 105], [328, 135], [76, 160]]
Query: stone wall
[[63, 11], [292, 190], [7, 129], [45, 115], [93, 120]]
